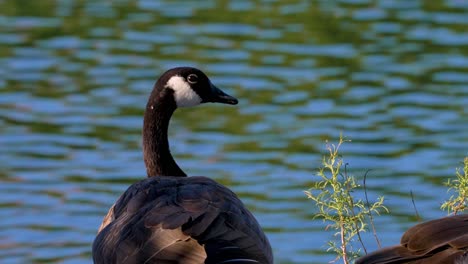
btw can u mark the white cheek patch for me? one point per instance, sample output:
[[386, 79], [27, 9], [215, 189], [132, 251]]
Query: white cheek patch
[[184, 95]]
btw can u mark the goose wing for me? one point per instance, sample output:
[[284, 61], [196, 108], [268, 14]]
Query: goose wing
[[180, 220], [443, 240]]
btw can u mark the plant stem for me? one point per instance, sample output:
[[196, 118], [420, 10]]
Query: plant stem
[[343, 240]]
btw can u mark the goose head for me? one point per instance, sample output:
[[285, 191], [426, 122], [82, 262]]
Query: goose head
[[186, 87]]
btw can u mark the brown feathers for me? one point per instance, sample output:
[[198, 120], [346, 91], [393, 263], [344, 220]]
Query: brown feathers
[[443, 240]]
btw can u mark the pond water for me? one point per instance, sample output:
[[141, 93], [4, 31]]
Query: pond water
[[391, 75]]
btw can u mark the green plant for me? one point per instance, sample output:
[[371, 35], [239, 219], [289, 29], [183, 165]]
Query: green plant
[[458, 203], [333, 193]]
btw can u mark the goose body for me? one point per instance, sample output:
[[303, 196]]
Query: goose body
[[440, 241], [171, 218]]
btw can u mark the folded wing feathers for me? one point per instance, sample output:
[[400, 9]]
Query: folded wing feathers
[[430, 235]]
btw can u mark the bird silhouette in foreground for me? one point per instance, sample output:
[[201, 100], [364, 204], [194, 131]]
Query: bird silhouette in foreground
[[171, 218], [440, 241]]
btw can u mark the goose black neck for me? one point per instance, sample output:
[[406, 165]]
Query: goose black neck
[[157, 156]]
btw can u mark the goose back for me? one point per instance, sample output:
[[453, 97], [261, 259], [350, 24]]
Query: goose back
[[180, 220]]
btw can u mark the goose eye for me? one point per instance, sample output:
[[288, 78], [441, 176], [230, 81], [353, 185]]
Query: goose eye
[[192, 78]]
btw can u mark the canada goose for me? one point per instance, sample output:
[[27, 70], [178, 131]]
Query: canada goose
[[171, 218], [440, 241]]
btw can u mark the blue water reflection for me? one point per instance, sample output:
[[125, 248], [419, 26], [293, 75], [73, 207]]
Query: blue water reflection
[[75, 76]]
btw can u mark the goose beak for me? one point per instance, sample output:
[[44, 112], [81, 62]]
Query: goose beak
[[218, 96]]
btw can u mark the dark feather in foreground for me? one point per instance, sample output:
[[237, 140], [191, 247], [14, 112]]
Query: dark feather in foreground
[[443, 240], [161, 219]]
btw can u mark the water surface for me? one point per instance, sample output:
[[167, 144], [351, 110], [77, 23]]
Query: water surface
[[75, 75]]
